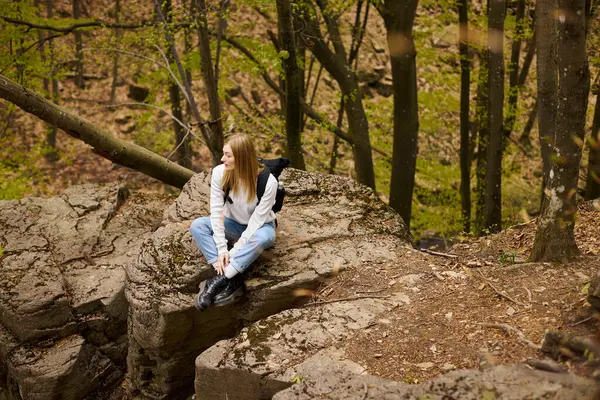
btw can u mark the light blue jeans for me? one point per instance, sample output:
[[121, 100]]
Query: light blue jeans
[[262, 239]]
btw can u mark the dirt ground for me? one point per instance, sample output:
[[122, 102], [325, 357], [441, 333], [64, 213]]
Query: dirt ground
[[446, 303]]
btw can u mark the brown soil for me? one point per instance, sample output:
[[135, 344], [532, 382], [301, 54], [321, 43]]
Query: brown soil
[[441, 328]]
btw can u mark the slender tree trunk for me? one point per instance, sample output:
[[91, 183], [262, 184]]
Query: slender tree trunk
[[524, 139], [592, 187], [493, 187], [78, 48], [528, 60], [52, 129], [555, 239], [399, 20], [465, 89], [212, 141], [336, 64], [301, 54], [483, 139], [116, 150], [275, 40], [50, 137], [293, 113], [175, 98], [115, 69], [513, 78], [547, 81], [208, 75], [336, 140]]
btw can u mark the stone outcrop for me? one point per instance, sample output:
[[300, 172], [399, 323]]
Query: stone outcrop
[[62, 304], [327, 224], [271, 354], [514, 382], [299, 354]]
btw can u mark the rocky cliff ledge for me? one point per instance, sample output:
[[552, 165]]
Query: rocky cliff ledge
[[63, 312], [327, 224]]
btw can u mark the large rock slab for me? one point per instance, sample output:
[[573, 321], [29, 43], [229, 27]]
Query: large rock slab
[[63, 311], [508, 382], [327, 224], [291, 345]]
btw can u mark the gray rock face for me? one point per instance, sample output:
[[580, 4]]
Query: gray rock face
[[62, 304], [292, 345], [327, 224], [509, 382]]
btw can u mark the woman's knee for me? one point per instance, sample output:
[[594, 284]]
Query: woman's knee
[[201, 225], [265, 238]]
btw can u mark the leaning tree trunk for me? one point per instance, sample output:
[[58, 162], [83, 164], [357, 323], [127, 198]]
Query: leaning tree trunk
[[78, 48], [208, 74], [293, 90], [465, 88], [103, 144], [592, 187], [554, 239], [493, 182], [399, 19]]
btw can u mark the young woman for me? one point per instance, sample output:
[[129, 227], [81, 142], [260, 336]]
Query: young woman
[[239, 218]]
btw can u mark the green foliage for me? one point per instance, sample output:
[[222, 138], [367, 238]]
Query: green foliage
[[507, 257]]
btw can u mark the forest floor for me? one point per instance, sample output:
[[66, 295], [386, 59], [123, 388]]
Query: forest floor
[[449, 298]]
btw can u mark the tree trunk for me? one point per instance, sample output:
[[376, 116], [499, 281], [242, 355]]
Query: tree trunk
[[483, 128], [301, 54], [181, 137], [554, 239], [337, 65], [528, 60], [513, 78], [78, 48], [399, 20], [465, 84], [293, 94], [210, 138], [493, 187], [115, 69], [592, 187], [524, 139], [208, 74], [52, 155], [116, 150]]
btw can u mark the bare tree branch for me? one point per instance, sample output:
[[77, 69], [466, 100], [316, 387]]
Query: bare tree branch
[[79, 25]]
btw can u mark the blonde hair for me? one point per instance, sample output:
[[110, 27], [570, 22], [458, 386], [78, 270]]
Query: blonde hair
[[246, 168]]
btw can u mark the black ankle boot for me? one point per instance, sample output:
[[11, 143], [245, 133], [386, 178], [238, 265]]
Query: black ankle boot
[[211, 288], [231, 292]]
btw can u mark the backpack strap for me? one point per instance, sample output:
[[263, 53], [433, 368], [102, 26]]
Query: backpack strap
[[261, 185], [226, 197]]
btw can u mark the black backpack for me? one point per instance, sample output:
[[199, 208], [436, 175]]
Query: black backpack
[[272, 167]]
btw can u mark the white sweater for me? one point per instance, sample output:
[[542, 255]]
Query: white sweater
[[252, 214]]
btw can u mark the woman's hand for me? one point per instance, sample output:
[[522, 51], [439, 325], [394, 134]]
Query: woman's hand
[[223, 262]]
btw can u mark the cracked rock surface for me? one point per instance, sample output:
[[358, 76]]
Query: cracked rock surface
[[508, 382], [269, 355], [327, 224], [62, 305], [299, 355]]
